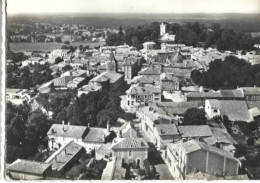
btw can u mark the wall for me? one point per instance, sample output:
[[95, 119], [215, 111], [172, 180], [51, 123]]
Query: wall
[[141, 154]]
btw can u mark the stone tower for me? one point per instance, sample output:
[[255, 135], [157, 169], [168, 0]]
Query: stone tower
[[111, 64], [162, 29]]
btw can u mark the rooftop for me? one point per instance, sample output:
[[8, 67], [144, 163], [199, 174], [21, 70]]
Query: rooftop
[[60, 130], [195, 131], [130, 143], [28, 166], [64, 155]]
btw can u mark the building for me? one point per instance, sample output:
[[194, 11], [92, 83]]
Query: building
[[28, 170], [148, 46], [163, 29], [197, 132], [218, 95], [130, 67], [62, 81], [191, 156], [251, 93], [135, 149], [142, 95], [86, 89], [76, 83], [88, 137], [109, 80], [111, 64], [114, 170], [64, 157], [234, 110], [17, 96], [170, 82]]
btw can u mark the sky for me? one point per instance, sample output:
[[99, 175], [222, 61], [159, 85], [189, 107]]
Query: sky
[[133, 6]]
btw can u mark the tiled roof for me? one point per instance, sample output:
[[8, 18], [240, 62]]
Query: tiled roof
[[64, 155], [131, 143], [108, 75], [96, 135], [194, 145], [250, 90], [218, 94], [167, 129], [59, 130], [235, 110], [195, 131], [143, 90], [223, 136], [28, 166]]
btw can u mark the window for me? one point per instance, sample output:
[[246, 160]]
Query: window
[[215, 110]]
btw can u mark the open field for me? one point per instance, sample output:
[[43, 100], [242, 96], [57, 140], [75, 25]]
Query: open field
[[21, 47]]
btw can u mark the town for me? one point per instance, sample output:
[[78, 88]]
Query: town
[[147, 103]]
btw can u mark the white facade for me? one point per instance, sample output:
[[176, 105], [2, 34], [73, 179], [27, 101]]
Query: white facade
[[162, 29]]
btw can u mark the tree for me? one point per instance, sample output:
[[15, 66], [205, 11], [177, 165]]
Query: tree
[[58, 39], [66, 42], [58, 60], [135, 42], [195, 76], [194, 116]]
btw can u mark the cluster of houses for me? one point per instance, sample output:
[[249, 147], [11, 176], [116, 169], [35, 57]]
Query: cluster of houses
[[152, 76]]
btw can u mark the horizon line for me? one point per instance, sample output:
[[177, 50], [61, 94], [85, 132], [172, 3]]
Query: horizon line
[[132, 13]]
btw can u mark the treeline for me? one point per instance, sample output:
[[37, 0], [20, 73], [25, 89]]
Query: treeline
[[190, 34], [232, 72]]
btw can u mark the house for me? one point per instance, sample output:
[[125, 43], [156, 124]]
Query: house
[[109, 80], [148, 45], [184, 158], [17, 96], [130, 67], [86, 89], [88, 137], [62, 81], [28, 170], [219, 95], [64, 157], [234, 110], [170, 82], [142, 95], [135, 149], [76, 82], [165, 133], [251, 93]]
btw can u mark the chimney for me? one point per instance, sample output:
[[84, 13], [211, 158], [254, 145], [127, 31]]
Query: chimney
[[68, 123], [88, 125], [63, 125], [108, 126]]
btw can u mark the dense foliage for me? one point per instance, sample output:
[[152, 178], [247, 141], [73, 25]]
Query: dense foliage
[[25, 130], [231, 72], [194, 116], [28, 76], [190, 34]]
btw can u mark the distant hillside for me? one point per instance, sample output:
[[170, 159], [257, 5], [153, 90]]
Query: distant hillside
[[240, 22]]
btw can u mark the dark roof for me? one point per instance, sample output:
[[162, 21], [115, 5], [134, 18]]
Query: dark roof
[[96, 135], [143, 90], [131, 143], [195, 131], [64, 155], [28, 166], [60, 130]]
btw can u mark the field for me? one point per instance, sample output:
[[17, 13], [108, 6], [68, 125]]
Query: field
[[21, 47]]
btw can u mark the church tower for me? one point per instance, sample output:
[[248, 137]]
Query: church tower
[[111, 64], [162, 29]]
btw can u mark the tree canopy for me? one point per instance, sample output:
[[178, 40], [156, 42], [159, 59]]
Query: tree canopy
[[194, 116]]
